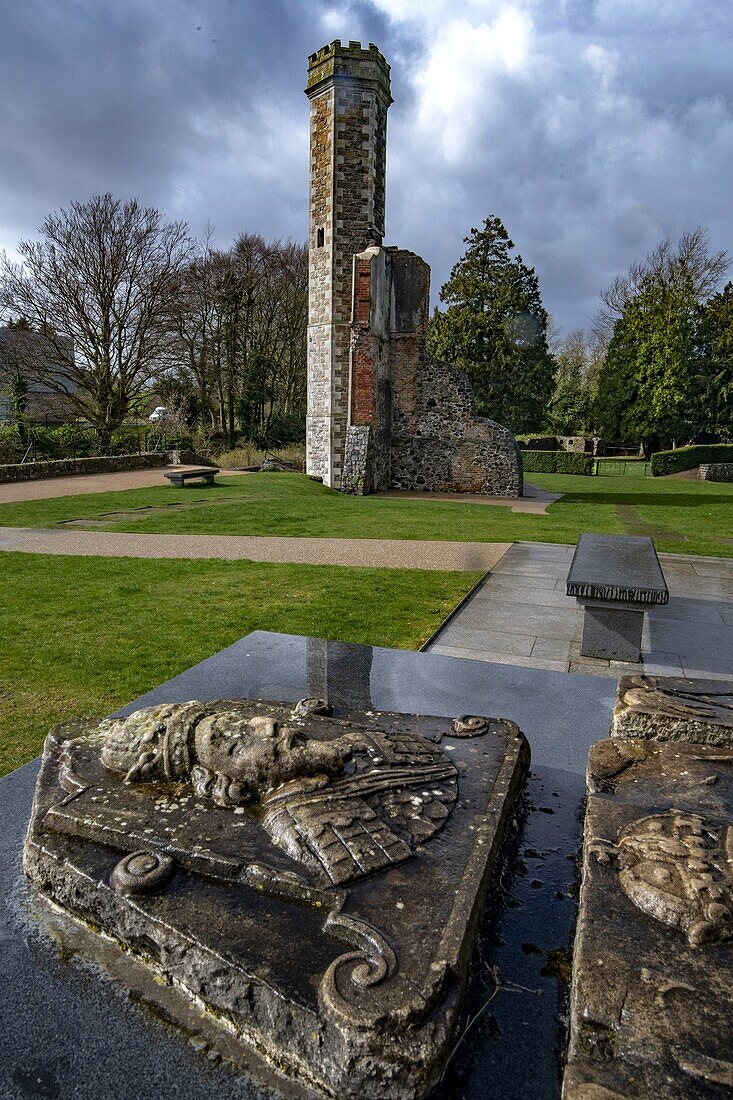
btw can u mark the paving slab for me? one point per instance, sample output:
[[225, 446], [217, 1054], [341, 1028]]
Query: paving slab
[[497, 657], [525, 595], [524, 618], [689, 610], [533, 569], [534, 500], [554, 649], [516, 592], [501, 641]]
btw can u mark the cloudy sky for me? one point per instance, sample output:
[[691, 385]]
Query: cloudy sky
[[593, 128]]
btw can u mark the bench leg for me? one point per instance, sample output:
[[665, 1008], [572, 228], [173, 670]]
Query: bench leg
[[176, 482], [612, 633]]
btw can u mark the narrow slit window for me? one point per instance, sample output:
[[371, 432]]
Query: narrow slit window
[[320, 237]]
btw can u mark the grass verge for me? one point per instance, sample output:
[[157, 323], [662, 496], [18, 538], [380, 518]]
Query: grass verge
[[85, 635], [682, 517]]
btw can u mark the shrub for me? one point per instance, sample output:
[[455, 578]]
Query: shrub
[[246, 454], [44, 440], [128, 439], [686, 458], [281, 431], [74, 441], [11, 444], [242, 456], [557, 462]]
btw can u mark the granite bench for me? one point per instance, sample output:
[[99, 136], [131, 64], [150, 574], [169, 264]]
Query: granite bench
[[616, 579], [178, 477]]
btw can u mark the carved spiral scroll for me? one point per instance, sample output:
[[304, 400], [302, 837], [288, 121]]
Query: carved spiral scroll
[[469, 725], [142, 872], [350, 977]]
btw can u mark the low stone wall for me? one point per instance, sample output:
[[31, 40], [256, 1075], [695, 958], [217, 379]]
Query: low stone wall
[[458, 466], [188, 458], [716, 471], [539, 443], [70, 467], [576, 444]]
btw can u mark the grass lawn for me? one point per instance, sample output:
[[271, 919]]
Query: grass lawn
[[682, 516], [83, 635]]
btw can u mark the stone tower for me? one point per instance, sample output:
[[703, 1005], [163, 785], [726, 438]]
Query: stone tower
[[349, 94]]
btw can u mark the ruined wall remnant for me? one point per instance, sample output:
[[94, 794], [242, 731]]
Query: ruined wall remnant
[[381, 412]]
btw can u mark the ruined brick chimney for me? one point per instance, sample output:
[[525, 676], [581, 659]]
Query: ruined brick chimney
[[349, 94]]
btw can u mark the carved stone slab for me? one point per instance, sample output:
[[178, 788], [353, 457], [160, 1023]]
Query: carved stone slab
[[670, 708], [653, 961], [314, 882]]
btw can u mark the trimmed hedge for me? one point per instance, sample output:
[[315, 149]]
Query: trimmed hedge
[[686, 458], [557, 462]]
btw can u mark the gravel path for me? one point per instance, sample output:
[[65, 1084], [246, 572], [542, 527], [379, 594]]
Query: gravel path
[[81, 484], [385, 553]]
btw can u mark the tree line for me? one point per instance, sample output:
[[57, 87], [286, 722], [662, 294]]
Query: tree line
[[219, 336], [656, 366]]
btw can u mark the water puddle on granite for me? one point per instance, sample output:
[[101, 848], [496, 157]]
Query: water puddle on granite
[[515, 1018]]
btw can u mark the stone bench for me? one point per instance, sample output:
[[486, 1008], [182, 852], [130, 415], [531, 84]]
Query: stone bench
[[616, 578], [178, 477]]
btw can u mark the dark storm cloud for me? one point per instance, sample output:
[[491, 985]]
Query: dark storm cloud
[[592, 128]]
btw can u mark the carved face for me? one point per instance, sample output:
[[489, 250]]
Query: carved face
[[257, 754], [229, 756]]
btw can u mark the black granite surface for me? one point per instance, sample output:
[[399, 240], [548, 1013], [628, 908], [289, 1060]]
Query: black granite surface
[[68, 1030], [621, 568]]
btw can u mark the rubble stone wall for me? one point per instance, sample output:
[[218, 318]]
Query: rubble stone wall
[[70, 467], [716, 471], [413, 419]]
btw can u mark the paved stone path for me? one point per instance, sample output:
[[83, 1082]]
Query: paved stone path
[[81, 484], [534, 501], [520, 615], [383, 553]]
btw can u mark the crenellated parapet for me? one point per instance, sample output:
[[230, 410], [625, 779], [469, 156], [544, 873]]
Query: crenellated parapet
[[337, 62]]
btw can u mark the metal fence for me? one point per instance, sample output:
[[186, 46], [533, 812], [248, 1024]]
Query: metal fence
[[620, 467]]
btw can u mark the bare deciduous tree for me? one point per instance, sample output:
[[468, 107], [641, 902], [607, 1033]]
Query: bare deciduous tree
[[688, 267], [104, 276], [239, 334]]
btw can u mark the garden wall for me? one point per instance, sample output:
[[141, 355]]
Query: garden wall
[[69, 467], [716, 471]]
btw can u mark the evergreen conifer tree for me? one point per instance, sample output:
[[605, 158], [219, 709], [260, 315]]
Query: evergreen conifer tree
[[495, 329]]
